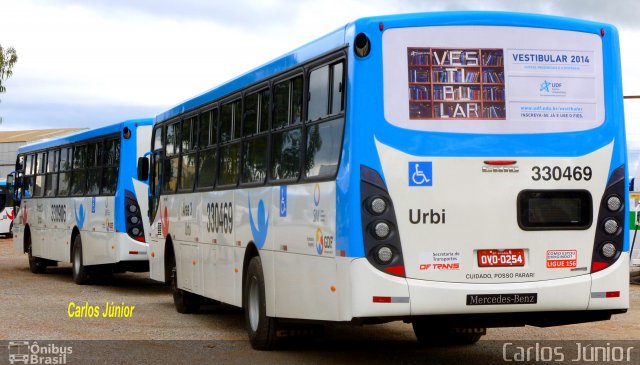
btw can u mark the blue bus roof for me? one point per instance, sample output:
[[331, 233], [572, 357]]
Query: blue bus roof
[[337, 39], [83, 135]]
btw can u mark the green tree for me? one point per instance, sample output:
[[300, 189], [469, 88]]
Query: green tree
[[8, 58]]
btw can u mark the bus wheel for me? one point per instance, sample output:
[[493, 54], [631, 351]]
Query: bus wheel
[[262, 330], [80, 274], [184, 301], [430, 335], [36, 264]]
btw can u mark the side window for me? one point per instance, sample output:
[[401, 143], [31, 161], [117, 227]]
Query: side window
[[296, 100], [207, 153], [157, 138], [324, 142], [287, 102], [111, 165], [324, 127], [51, 180], [286, 143], [325, 91], [94, 168], [156, 161], [285, 154], [263, 117], [318, 106], [188, 166], [337, 88], [280, 105], [40, 167], [230, 143], [256, 128], [250, 117], [29, 179], [79, 174], [172, 159], [65, 174]]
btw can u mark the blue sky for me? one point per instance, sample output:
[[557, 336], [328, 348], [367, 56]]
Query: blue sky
[[86, 63]]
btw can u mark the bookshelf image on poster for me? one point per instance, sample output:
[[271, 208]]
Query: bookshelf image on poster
[[455, 83]]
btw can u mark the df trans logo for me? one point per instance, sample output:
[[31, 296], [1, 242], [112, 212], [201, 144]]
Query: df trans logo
[[25, 352], [420, 173]]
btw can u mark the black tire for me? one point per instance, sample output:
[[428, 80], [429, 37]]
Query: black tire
[[184, 301], [262, 330], [80, 272], [427, 335], [36, 264]]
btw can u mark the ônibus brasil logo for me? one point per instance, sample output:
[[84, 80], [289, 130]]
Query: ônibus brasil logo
[[24, 352]]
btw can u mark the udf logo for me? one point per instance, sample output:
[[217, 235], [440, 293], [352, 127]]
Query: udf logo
[[420, 173]]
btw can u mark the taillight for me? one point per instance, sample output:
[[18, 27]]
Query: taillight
[[133, 217], [379, 227], [610, 230]]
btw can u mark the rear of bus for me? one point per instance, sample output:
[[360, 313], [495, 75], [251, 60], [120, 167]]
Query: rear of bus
[[490, 154], [6, 209]]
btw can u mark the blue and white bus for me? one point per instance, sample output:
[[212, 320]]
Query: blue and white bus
[[80, 201], [457, 171], [6, 209]]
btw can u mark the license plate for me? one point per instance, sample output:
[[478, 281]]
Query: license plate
[[500, 258]]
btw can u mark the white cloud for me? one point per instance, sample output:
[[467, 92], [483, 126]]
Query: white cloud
[[146, 56]]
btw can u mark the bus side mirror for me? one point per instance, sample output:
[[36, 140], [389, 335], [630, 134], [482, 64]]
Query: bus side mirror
[[10, 180], [143, 168]]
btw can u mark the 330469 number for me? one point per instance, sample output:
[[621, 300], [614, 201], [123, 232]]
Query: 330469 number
[[557, 173]]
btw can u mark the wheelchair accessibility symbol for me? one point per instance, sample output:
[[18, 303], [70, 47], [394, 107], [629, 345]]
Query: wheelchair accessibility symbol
[[420, 173]]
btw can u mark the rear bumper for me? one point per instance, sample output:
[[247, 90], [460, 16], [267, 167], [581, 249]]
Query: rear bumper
[[417, 298]]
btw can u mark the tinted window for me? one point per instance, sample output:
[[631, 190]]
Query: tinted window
[[63, 183], [93, 181], [263, 117], [39, 187], [28, 168], [78, 180], [112, 152], [188, 176], [229, 156], [65, 162], [337, 89], [296, 100], [250, 120], [285, 154], [226, 122], [207, 167], [281, 104], [109, 180], [318, 93], [157, 138], [52, 161], [170, 175], [172, 139], [186, 134], [203, 129], [79, 157], [93, 154], [255, 160], [40, 163], [324, 141]]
